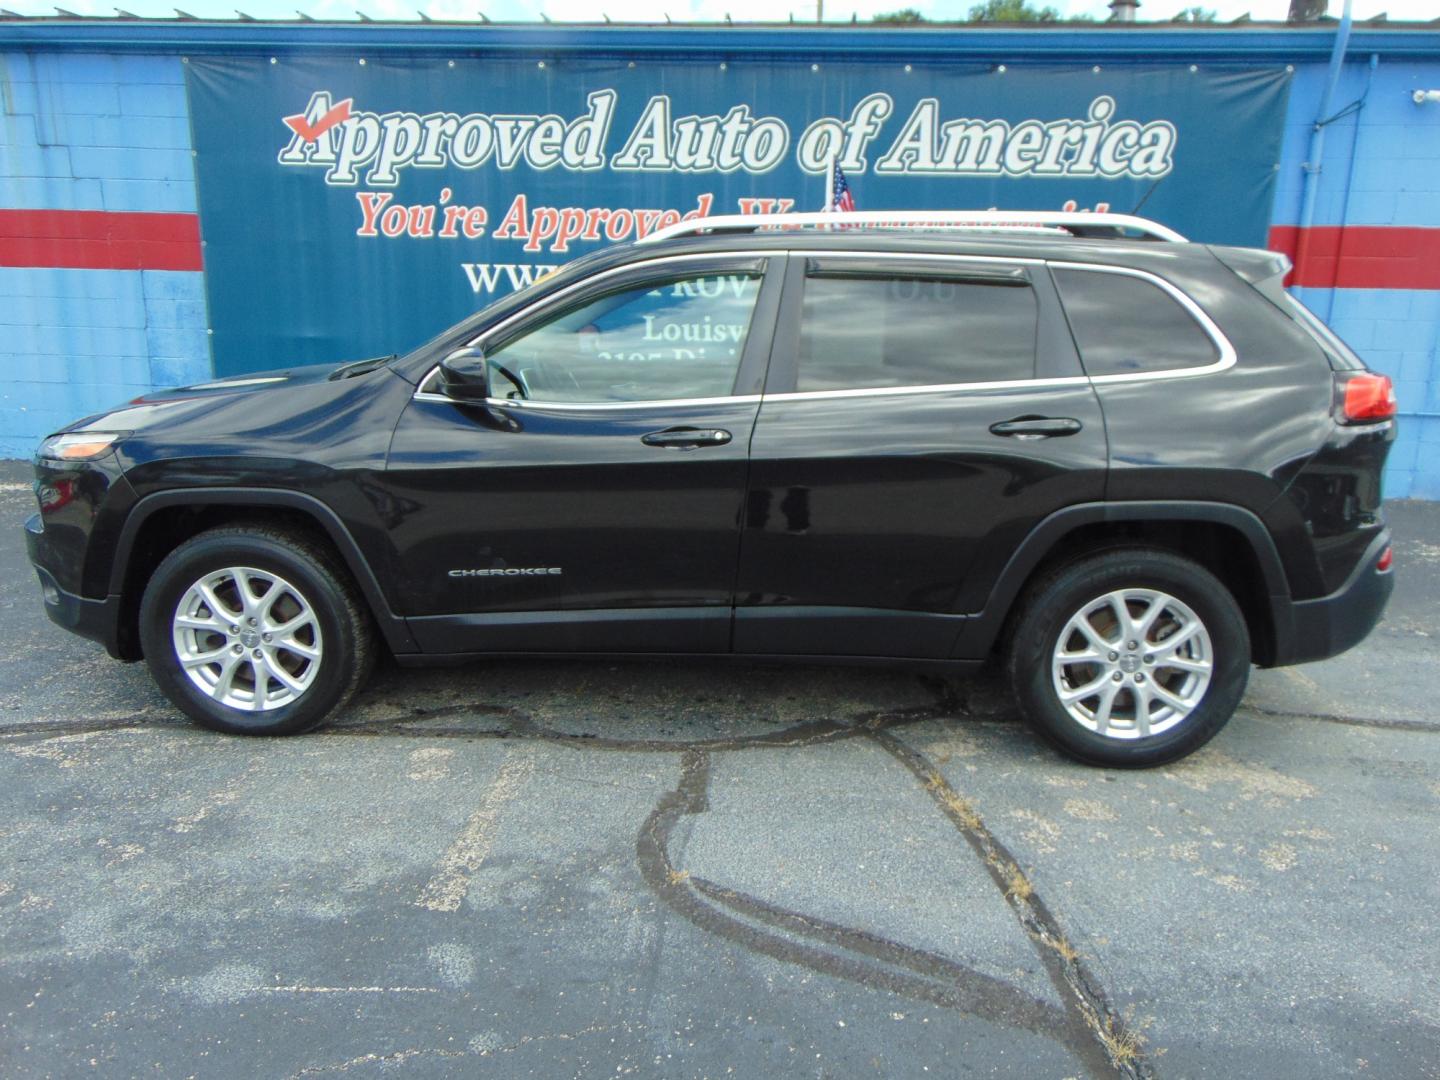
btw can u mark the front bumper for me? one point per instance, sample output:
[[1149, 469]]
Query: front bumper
[[98, 620], [1317, 629]]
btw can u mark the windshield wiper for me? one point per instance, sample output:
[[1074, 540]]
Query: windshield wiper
[[360, 367]]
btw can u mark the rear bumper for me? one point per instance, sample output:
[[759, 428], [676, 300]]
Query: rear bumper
[[1317, 629], [98, 620]]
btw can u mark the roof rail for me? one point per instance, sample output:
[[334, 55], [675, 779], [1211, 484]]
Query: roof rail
[[1002, 220]]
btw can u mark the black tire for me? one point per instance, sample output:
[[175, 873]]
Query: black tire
[[1060, 594], [346, 639]]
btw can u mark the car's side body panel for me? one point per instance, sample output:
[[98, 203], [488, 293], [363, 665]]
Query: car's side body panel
[[611, 522], [523, 508], [885, 524], [907, 504], [873, 516], [1238, 436]]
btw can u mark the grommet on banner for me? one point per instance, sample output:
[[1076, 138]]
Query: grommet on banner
[[273, 60], [362, 61], [1000, 69], [723, 66], [1096, 69], [908, 69], [541, 65], [814, 67], [1194, 68], [452, 63]]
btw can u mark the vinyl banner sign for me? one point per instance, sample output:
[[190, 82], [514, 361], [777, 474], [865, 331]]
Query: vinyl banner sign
[[351, 207]]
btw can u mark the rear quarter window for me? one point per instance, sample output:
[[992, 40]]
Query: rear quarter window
[[1340, 355], [1125, 325]]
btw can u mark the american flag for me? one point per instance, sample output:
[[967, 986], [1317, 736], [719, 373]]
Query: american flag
[[841, 201]]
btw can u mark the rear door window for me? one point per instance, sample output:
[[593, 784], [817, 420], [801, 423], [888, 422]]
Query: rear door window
[[1126, 325], [870, 330]]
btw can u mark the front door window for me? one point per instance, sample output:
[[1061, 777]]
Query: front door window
[[680, 337]]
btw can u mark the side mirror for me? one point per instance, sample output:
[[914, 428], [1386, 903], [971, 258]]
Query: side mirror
[[463, 376]]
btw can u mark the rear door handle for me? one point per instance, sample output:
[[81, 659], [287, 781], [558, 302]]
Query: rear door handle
[[1036, 427], [686, 438]]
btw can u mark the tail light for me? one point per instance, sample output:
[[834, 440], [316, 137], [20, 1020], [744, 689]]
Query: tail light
[[1364, 398], [1386, 560]]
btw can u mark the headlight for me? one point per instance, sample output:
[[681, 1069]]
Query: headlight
[[78, 445]]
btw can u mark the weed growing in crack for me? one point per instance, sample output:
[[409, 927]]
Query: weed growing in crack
[[1017, 885], [1063, 949], [961, 809], [1124, 1039]]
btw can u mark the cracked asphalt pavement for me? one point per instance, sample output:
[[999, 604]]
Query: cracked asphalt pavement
[[573, 868]]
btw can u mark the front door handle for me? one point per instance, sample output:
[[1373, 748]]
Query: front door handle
[[686, 438], [1036, 427]]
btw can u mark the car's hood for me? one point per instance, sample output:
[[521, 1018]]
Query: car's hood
[[166, 406]]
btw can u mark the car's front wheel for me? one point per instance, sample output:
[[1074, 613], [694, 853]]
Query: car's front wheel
[[1130, 657], [255, 631]]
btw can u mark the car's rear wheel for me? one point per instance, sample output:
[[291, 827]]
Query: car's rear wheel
[[1130, 657], [255, 631]]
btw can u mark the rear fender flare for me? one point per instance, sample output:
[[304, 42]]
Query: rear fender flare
[[983, 628]]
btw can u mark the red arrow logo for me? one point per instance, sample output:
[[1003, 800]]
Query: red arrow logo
[[338, 114]]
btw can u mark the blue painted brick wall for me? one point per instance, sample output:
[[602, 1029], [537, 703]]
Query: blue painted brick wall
[[1397, 143], [1395, 181], [93, 132]]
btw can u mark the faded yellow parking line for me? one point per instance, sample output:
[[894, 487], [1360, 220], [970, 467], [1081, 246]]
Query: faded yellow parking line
[[1298, 677], [347, 989], [446, 890]]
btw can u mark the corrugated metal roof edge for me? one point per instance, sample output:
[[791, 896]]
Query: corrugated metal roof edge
[[1035, 43]]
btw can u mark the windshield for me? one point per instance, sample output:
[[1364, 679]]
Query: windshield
[[463, 332]]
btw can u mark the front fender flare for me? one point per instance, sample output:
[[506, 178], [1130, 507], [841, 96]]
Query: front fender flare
[[392, 627]]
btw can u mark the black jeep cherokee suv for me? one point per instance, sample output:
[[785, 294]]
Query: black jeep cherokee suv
[[1129, 466]]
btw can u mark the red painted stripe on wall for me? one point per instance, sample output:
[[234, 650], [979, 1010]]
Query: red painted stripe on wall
[[1361, 256], [100, 240]]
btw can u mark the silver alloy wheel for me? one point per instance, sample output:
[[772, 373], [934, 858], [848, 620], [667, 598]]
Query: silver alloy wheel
[[1132, 663], [247, 638]]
